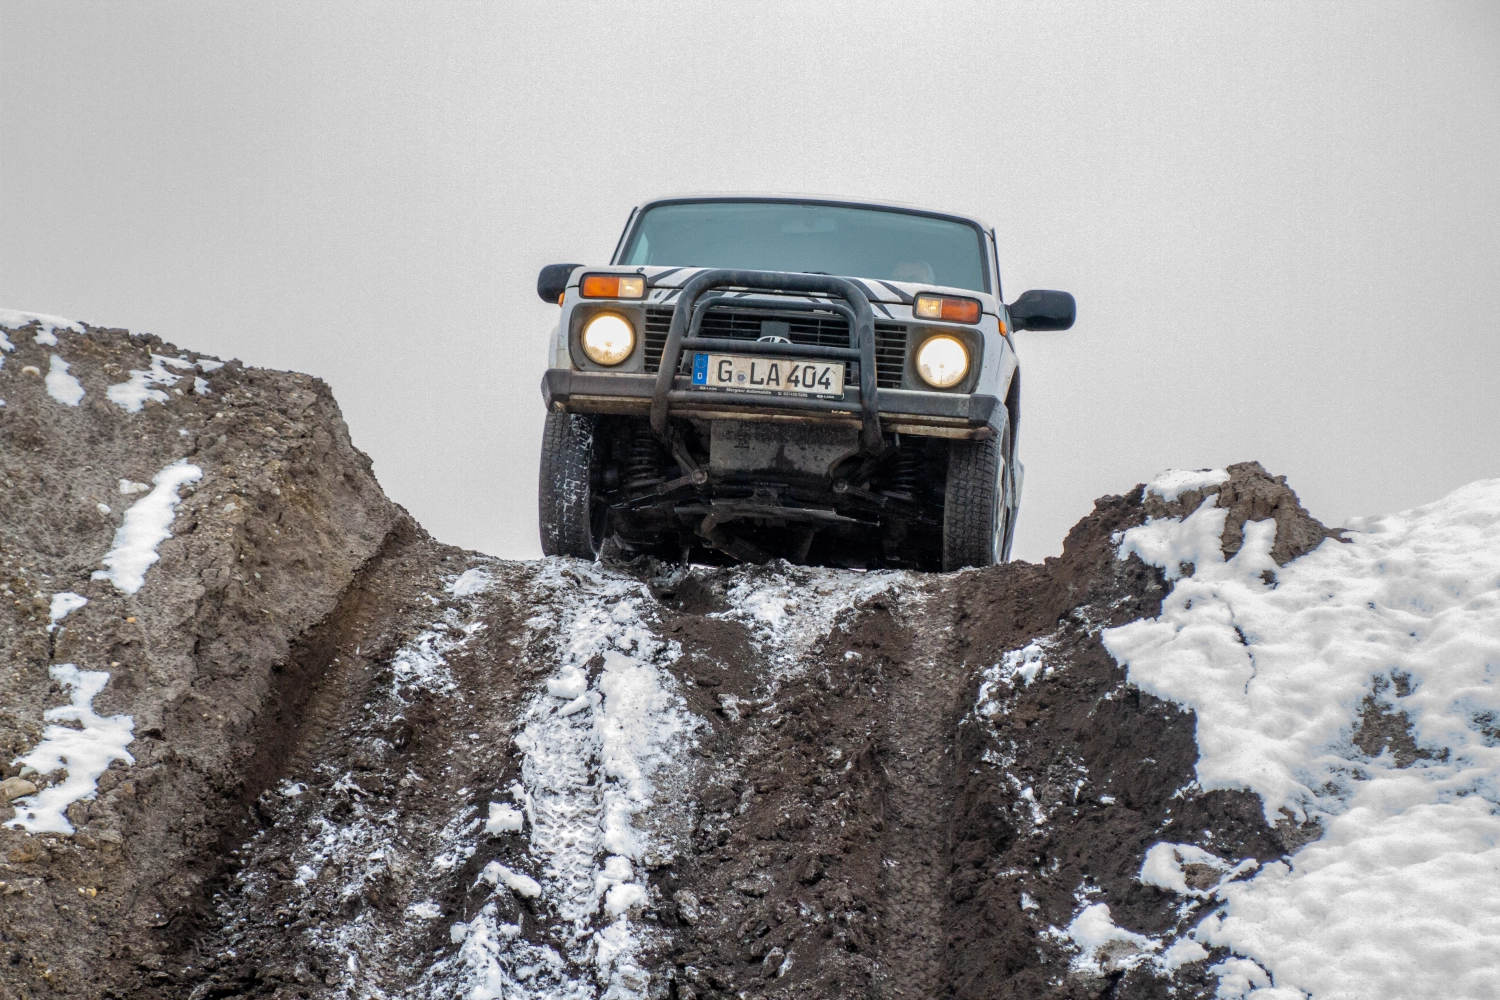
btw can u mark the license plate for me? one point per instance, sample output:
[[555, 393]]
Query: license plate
[[775, 376]]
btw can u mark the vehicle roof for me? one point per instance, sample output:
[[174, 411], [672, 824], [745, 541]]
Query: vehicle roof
[[822, 199]]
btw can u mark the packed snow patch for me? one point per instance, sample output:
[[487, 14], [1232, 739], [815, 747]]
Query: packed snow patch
[[1167, 866], [147, 524], [503, 819], [86, 751], [60, 385], [133, 394], [1178, 545], [1103, 947], [470, 582], [522, 885], [1283, 666], [1174, 483], [47, 326], [63, 605]]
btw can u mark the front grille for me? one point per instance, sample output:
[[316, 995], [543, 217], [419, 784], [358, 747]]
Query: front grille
[[801, 328], [890, 354], [658, 321]]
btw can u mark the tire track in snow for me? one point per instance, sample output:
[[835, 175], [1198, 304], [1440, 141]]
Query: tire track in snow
[[605, 769]]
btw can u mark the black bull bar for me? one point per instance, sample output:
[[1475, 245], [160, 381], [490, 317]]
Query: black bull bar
[[687, 321]]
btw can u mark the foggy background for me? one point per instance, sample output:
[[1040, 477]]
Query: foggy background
[[1281, 221]]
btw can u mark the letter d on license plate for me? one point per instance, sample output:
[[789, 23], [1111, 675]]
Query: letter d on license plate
[[776, 376]]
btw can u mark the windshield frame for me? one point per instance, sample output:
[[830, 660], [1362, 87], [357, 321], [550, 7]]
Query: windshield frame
[[986, 247]]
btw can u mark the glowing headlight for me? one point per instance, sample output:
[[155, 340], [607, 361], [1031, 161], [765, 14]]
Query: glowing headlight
[[942, 362], [608, 338]]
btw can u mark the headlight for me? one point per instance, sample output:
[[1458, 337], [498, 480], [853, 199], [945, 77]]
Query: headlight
[[608, 338], [942, 361]]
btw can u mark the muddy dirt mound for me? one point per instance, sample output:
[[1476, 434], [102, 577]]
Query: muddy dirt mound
[[189, 635], [330, 757]]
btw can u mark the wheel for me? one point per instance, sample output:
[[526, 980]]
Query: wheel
[[975, 508], [571, 519]]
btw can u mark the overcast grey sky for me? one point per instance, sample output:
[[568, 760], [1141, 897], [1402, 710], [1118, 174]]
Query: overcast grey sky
[[1281, 221]]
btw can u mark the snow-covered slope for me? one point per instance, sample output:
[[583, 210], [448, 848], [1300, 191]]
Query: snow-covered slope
[[1358, 688]]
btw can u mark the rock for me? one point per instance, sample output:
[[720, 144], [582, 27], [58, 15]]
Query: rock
[[14, 788], [687, 906], [29, 850]]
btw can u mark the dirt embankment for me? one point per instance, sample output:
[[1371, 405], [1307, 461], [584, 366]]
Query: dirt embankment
[[366, 764]]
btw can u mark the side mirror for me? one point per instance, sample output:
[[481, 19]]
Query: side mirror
[[553, 281], [1043, 310]]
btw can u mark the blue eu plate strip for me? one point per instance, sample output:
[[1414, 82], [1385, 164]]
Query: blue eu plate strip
[[700, 369]]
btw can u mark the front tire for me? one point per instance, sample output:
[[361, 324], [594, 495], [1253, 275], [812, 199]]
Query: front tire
[[975, 507], [570, 516]]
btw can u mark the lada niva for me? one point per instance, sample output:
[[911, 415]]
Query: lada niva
[[829, 382]]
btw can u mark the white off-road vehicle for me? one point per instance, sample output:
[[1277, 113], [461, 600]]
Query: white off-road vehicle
[[826, 381]]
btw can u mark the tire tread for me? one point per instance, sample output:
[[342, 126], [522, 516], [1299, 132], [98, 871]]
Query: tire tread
[[564, 495], [969, 504]]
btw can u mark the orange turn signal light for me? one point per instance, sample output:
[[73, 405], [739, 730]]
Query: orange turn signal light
[[949, 310], [613, 286]]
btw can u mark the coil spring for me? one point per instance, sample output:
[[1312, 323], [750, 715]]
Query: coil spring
[[906, 477], [642, 460]]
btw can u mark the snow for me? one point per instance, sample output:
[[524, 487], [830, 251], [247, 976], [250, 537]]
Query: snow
[[621, 898], [1163, 866], [1238, 977], [1400, 897], [1103, 947], [60, 385], [1173, 483], [470, 582], [1175, 544], [86, 752], [47, 326], [522, 885], [1181, 953], [503, 819], [422, 664], [788, 609], [64, 604], [133, 394], [1024, 664], [601, 772], [147, 524], [569, 683]]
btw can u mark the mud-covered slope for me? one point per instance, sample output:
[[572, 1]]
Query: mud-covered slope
[[369, 765], [263, 545]]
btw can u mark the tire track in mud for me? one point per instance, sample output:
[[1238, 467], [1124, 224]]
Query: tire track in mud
[[916, 742]]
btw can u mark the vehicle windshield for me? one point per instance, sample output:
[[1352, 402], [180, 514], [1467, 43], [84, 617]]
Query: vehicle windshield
[[822, 239]]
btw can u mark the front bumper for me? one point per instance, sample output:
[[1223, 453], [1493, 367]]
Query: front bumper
[[903, 411]]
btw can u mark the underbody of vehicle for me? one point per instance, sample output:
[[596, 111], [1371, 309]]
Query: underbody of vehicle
[[753, 378]]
